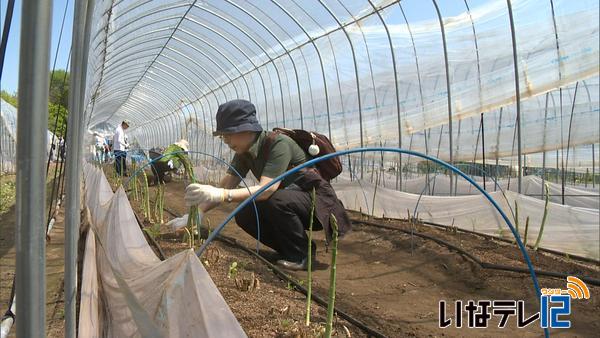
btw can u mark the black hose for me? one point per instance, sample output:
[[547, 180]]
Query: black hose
[[485, 265], [233, 242], [5, 32], [51, 211], [281, 274]]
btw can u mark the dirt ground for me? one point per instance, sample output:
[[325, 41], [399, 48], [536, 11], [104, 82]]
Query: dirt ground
[[393, 282], [54, 269]]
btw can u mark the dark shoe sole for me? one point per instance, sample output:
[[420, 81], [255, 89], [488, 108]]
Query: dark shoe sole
[[302, 266]]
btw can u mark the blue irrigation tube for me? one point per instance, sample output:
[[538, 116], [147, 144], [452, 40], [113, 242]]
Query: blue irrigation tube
[[252, 197], [135, 173]]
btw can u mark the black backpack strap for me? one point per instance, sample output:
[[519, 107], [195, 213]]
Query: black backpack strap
[[267, 143]]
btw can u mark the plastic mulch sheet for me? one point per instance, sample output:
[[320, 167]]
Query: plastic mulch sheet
[[127, 291]]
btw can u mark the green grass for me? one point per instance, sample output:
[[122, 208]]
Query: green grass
[[8, 191]]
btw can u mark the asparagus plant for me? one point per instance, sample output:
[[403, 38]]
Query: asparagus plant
[[193, 219], [158, 203], [146, 201], [331, 304], [526, 230]]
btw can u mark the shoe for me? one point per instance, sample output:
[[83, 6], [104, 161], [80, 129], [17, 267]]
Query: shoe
[[294, 266], [299, 266]]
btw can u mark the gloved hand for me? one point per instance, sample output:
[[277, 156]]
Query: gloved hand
[[170, 164], [198, 193]]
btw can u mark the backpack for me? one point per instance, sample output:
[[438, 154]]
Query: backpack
[[312, 143]]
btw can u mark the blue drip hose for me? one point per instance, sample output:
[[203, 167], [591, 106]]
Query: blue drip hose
[[312, 162]]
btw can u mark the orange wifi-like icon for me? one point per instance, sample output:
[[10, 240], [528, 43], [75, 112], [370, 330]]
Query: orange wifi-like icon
[[577, 288]]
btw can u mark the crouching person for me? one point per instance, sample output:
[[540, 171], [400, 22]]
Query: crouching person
[[284, 209], [169, 162]]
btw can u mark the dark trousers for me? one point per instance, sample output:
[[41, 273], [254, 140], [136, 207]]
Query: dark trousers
[[159, 169], [284, 217], [120, 165]]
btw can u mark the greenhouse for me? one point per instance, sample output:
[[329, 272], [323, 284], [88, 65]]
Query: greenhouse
[[290, 168]]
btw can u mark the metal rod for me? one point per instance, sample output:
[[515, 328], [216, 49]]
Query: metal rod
[[5, 32], [358, 92], [449, 96], [593, 166], [569, 140], [517, 93], [318, 54], [483, 148], [82, 12], [418, 71], [32, 126], [158, 54], [396, 92], [544, 144]]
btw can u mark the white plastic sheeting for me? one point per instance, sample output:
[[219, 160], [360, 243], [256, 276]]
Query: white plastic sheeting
[[8, 126], [128, 292], [439, 185], [363, 72], [568, 229], [8, 136]]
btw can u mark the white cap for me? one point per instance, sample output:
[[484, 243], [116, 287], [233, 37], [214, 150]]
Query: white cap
[[184, 144]]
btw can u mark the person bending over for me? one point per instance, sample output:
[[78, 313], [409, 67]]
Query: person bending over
[[284, 208]]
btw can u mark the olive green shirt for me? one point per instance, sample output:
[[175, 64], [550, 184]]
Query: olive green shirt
[[284, 154]]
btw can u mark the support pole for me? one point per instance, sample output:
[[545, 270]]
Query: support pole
[[32, 128], [5, 32], [517, 94], [443, 31], [483, 149], [81, 31], [569, 141], [593, 166], [557, 170], [544, 145]]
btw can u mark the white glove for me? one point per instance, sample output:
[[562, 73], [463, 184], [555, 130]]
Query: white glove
[[179, 222], [198, 193], [170, 164]]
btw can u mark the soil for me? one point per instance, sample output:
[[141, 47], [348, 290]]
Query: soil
[[54, 268], [390, 281]]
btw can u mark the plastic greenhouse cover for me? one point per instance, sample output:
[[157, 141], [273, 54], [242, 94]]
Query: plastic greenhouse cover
[[8, 120], [8, 136], [439, 185], [128, 292], [228, 49]]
